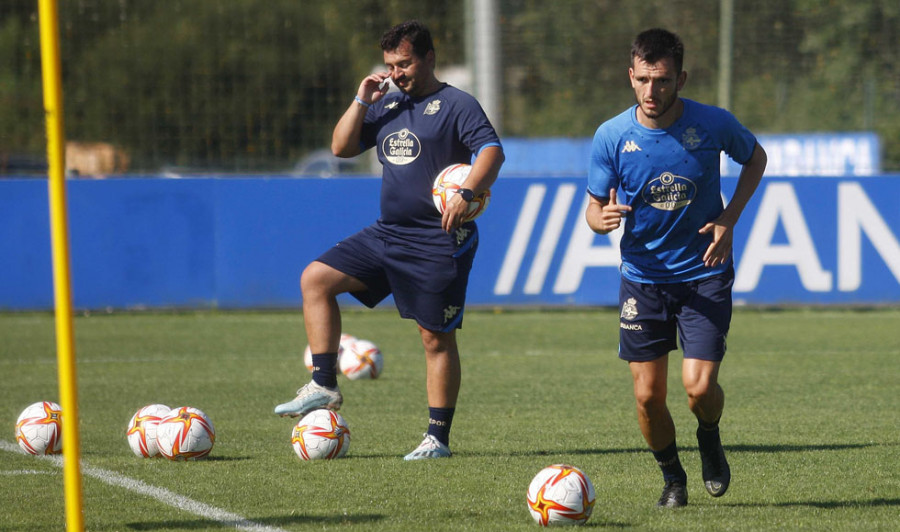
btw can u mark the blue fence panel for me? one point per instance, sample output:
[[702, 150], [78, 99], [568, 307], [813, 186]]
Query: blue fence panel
[[268, 230], [790, 154], [26, 272], [243, 242]]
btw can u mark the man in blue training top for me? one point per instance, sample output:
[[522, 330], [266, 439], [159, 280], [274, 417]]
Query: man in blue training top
[[677, 270], [421, 257]]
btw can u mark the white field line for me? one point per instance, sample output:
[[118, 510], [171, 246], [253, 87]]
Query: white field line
[[161, 494]]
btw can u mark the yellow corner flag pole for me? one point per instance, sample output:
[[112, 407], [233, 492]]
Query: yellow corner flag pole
[[59, 233]]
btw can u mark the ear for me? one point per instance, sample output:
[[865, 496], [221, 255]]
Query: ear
[[430, 58], [682, 78]]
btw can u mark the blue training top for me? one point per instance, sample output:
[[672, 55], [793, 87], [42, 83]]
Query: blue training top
[[670, 178], [416, 139]]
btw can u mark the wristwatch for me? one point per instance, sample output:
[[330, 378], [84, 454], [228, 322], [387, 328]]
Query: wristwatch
[[467, 194]]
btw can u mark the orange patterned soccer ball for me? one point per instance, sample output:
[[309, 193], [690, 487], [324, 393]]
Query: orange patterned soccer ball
[[448, 182], [141, 432], [561, 495], [185, 434], [362, 360], [39, 428], [321, 435]]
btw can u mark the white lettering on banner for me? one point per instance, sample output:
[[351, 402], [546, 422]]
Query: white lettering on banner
[[831, 157], [549, 239], [857, 214], [779, 203], [518, 244], [581, 254], [815, 155], [779, 207]]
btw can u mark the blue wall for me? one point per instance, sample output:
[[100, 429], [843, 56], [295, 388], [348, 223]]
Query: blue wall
[[790, 154], [242, 242]]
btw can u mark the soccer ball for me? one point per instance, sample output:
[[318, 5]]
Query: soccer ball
[[561, 495], [362, 360], [39, 428], [141, 431], [185, 433], [449, 182], [321, 435], [346, 340]]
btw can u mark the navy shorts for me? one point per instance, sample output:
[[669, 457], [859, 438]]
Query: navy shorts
[[651, 315], [428, 282]]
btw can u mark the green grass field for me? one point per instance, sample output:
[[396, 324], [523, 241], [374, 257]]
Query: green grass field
[[811, 426]]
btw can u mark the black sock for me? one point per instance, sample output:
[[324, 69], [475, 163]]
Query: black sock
[[439, 421], [668, 461], [325, 369], [707, 434]]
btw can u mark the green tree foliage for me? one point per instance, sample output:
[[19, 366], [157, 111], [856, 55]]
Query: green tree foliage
[[21, 106], [799, 65], [567, 88], [253, 85]]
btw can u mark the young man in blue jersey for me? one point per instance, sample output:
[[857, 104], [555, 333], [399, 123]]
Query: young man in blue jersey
[[421, 257], [677, 271]]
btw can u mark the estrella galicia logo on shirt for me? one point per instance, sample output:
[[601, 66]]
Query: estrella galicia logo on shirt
[[402, 147], [669, 192]]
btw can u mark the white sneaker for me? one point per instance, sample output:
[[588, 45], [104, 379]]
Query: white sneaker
[[311, 397], [429, 448]]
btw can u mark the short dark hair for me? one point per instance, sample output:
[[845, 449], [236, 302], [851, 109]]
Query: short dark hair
[[413, 31], [656, 44]]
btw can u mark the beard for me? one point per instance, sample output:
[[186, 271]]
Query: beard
[[662, 106]]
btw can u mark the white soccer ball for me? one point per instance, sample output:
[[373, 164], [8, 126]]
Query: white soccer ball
[[346, 339], [362, 360], [321, 435], [560, 495], [141, 432], [185, 433], [448, 182], [39, 428]]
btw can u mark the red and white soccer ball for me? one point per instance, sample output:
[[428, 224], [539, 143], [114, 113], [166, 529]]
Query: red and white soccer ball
[[141, 432], [561, 495], [185, 433], [39, 428], [362, 360], [448, 182], [346, 340], [321, 435]]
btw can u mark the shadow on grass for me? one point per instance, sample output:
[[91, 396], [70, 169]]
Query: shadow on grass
[[738, 448], [504, 454], [828, 505], [605, 524], [225, 458], [204, 524], [775, 448]]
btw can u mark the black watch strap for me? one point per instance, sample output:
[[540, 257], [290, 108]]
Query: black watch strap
[[467, 194]]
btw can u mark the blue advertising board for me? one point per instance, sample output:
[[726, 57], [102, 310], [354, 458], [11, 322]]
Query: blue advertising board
[[790, 154], [243, 242]]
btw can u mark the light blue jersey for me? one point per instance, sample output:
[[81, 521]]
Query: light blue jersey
[[670, 178]]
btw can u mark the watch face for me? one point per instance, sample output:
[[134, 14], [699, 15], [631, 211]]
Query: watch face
[[466, 194]]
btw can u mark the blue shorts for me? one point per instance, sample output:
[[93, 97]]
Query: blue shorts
[[651, 315], [428, 282]]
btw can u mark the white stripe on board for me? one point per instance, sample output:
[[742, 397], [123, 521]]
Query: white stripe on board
[[161, 494]]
